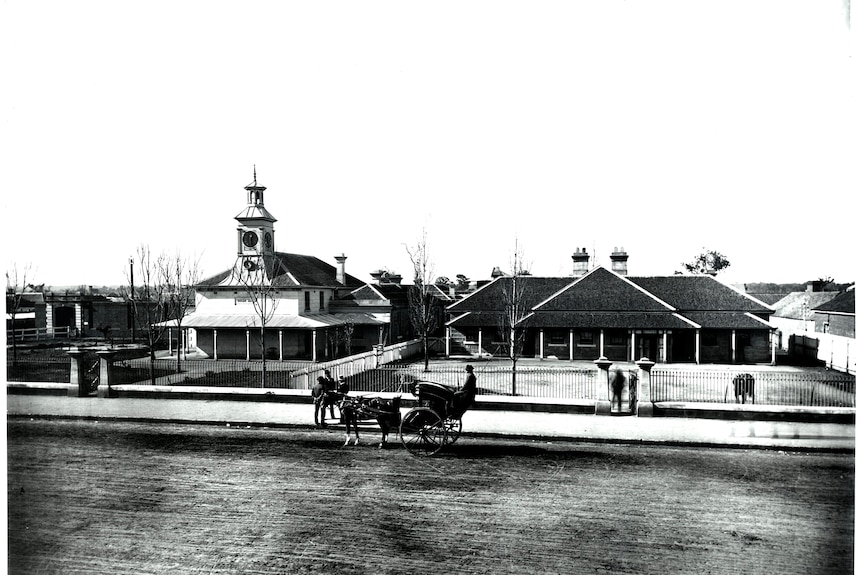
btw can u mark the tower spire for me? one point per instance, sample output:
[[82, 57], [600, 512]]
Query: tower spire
[[255, 174]]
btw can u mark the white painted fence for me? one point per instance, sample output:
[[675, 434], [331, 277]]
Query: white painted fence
[[354, 364]]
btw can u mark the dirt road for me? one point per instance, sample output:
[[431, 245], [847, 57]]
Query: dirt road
[[97, 497]]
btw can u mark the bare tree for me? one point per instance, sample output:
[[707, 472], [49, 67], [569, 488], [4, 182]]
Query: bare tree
[[511, 323], [347, 331], [180, 275], [257, 276], [423, 305], [148, 294], [16, 283]]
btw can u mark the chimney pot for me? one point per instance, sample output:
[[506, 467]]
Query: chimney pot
[[340, 275], [619, 261]]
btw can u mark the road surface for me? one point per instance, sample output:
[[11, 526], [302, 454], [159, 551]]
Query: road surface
[[110, 497]]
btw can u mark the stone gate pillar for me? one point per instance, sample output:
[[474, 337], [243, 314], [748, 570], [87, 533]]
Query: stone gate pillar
[[76, 375], [106, 365], [645, 366], [603, 402]]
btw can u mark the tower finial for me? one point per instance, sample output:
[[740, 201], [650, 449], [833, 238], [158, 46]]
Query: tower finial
[[255, 174]]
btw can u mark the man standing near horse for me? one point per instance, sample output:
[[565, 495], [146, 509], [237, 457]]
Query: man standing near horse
[[318, 396], [329, 399]]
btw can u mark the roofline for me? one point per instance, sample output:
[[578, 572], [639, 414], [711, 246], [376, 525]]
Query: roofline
[[761, 320], [371, 286], [492, 282], [742, 293], [693, 323], [454, 319], [624, 278]]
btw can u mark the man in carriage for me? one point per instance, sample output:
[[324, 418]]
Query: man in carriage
[[466, 396]]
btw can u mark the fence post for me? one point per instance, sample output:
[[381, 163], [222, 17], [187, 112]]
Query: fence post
[[644, 407], [76, 375], [603, 403]]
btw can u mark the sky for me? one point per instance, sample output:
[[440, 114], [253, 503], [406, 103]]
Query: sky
[[655, 126]]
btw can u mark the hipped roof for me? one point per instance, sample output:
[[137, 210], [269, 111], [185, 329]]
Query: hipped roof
[[603, 298], [289, 270]]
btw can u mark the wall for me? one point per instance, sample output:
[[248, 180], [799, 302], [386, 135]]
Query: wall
[[843, 325]]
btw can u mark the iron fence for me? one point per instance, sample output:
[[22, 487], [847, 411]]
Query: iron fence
[[530, 382], [208, 373], [49, 369], [812, 389]]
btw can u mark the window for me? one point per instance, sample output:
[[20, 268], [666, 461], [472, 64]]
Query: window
[[322, 306], [557, 339], [586, 338], [617, 339], [307, 301], [709, 338]]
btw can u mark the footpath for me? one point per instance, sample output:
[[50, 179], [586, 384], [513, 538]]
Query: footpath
[[503, 417]]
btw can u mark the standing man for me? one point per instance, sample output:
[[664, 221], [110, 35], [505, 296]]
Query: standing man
[[329, 383]]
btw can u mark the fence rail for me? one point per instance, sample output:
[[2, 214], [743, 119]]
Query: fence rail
[[37, 333], [814, 389]]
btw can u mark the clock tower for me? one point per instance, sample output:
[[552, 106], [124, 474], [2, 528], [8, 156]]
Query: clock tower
[[255, 234]]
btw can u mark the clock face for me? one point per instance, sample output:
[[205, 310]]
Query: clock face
[[267, 239], [249, 239]]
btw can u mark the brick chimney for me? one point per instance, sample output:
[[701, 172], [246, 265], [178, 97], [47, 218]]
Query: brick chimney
[[619, 261], [339, 271], [581, 262]]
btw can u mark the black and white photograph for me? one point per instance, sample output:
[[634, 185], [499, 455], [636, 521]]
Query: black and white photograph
[[390, 288]]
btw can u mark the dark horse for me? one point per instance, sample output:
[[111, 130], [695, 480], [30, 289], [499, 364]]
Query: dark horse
[[743, 385], [387, 412]]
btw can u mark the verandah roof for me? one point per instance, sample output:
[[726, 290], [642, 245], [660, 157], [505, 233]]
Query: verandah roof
[[311, 321]]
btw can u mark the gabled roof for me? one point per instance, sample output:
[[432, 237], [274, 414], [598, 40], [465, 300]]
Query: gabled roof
[[291, 270], [796, 304], [842, 303], [602, 290], [490, 296], [703, 293]]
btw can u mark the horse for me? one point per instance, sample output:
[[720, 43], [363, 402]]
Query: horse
[[743, 384], [387, 413]]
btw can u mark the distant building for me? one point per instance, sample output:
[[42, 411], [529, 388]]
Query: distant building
[[794, 313], [837, 316]]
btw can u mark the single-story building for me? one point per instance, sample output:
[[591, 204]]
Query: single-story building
[[605, 313]]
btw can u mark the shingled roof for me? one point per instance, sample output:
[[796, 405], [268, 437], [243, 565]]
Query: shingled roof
[[604, 298], [602, 290], [291, 270], [842, 303], [490, 296], [699, 293]]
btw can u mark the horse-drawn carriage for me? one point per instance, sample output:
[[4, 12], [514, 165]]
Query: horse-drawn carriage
[[432, 424], [436, 421]]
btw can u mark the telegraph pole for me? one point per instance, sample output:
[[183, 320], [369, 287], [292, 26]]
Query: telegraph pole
[[132, 297]]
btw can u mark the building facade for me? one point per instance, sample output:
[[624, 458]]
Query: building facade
[[289, 295], [606, 313]]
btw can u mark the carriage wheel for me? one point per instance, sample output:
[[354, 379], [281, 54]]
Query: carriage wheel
[[453, 430], [422, 431]]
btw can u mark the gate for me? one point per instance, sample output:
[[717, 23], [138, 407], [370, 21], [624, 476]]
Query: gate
[[90, 376], [623, 392]]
